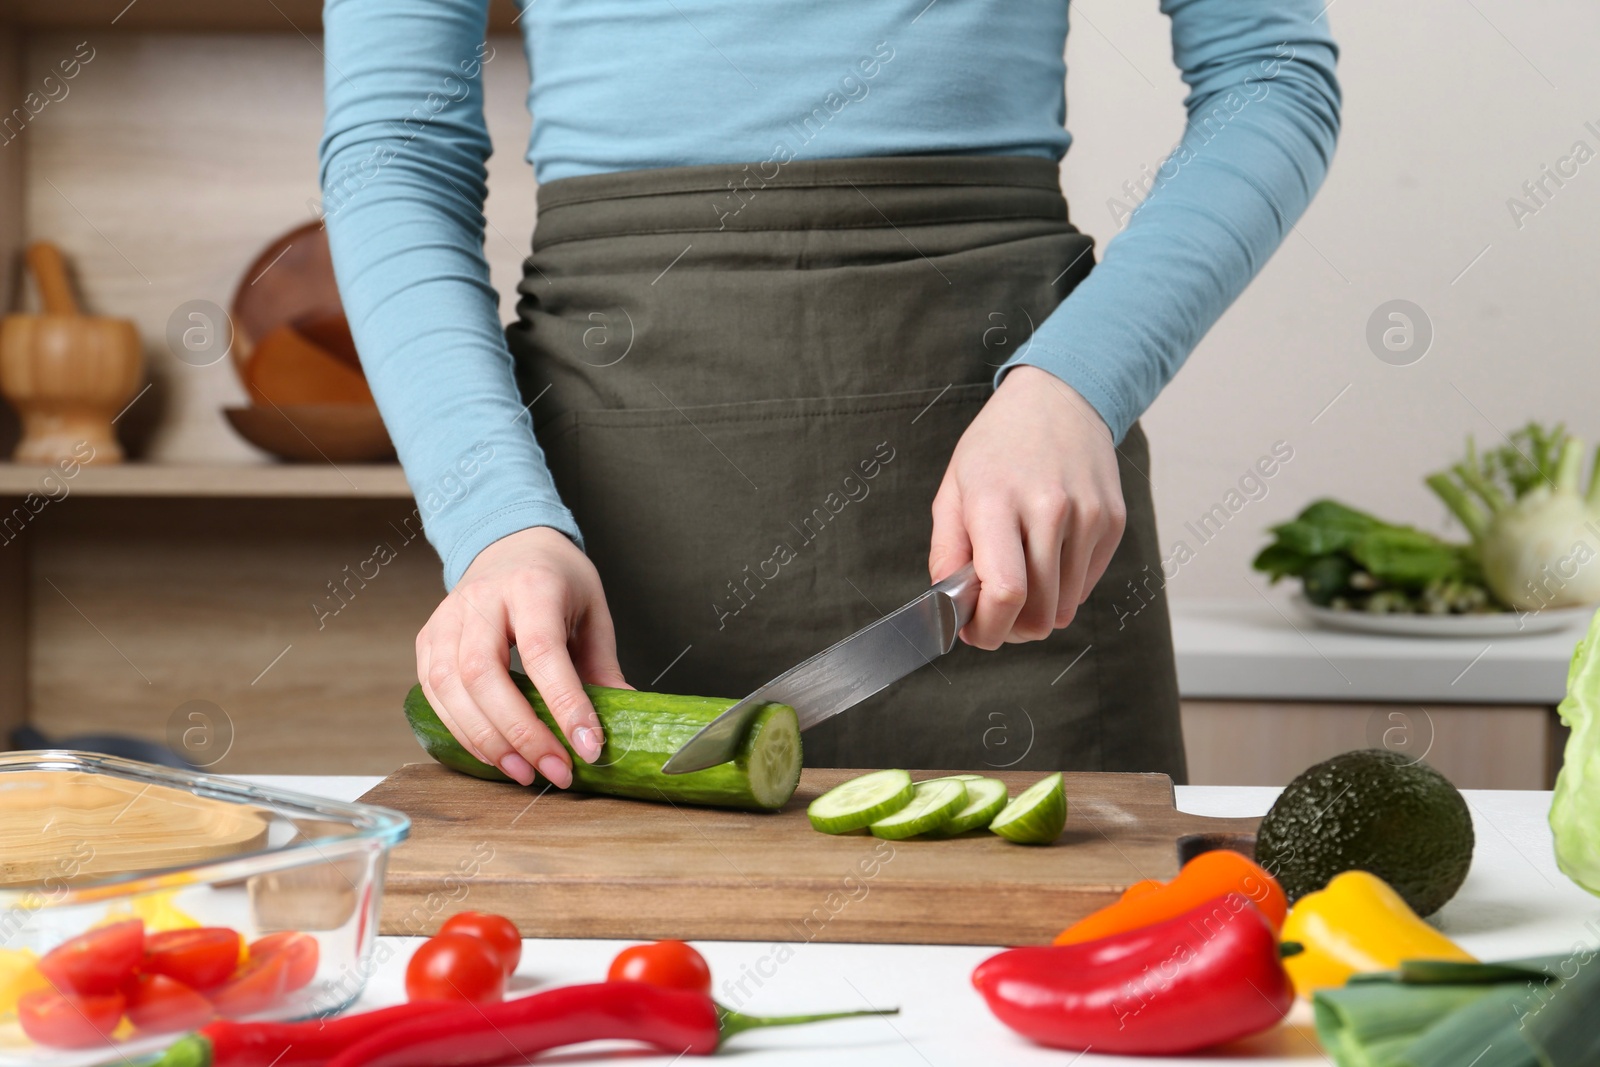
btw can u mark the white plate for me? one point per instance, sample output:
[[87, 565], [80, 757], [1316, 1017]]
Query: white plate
[[1498, 624]]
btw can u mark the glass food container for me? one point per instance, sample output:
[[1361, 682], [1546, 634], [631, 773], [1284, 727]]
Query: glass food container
[[131, 855]]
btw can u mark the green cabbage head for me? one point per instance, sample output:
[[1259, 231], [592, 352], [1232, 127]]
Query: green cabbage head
[[1575, 812]]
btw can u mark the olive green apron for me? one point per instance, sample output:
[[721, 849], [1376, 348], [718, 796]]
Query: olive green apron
[[748, 381]]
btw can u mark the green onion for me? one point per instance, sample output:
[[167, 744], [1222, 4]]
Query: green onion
[[1537, 1012], [1486, 1034], [1566, 1028], [1368, 1024]]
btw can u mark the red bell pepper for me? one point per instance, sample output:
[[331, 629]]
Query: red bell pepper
[[1210, 975]]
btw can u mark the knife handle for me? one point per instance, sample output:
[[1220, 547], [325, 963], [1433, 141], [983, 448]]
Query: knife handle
[[962, 589]]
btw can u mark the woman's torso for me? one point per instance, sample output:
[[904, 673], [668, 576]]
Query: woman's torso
[[621, 85], [748, 401]]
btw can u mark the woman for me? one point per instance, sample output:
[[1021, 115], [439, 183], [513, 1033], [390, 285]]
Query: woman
[[802, 280]]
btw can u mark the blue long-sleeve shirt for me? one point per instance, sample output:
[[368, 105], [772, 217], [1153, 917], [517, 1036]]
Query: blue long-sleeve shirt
[[632, 84]]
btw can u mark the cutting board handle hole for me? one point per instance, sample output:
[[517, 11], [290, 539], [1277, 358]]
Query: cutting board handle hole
[[1191, 845]]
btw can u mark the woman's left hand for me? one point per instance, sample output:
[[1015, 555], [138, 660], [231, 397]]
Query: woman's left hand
[[1033, 499]]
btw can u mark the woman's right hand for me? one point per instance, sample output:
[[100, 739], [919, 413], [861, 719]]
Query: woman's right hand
[[537, 590]]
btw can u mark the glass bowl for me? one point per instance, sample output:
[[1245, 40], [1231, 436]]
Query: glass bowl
[[87, 841]]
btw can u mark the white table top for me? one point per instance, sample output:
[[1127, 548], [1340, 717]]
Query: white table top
[[1515, 903], [1256, 650]]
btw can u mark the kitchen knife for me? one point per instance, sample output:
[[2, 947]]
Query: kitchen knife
[[847, 673]]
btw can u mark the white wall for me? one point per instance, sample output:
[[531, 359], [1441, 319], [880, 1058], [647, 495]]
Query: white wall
[[188, 152], [1450, 105]]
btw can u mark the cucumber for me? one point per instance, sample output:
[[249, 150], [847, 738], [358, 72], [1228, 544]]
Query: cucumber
[[932, 806], [1038, 814], [860, 802], [955, 778], [986, 797], [642, 732]]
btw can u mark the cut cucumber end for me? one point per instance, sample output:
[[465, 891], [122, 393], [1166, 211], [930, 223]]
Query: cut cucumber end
[[1038, 814], [772, 756], [860, 802], [932, 806], [986, 798]]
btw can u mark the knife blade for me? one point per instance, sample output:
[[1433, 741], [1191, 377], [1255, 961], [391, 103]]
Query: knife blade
[[844, 674]]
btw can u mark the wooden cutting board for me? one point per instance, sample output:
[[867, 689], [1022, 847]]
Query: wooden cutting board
[[567, 865]]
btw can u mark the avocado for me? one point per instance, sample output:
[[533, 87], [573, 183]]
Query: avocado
[[1372, 810]]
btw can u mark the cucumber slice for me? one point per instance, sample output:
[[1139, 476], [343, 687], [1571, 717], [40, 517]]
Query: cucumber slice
[[986, 797], [931, 807], [954, 778], [1038, 814], [860, 801]]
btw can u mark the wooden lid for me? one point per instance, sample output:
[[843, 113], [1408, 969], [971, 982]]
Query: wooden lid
[[72, 826]]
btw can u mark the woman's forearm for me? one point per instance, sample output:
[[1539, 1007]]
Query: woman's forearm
[[1263, 118], [403, 182]]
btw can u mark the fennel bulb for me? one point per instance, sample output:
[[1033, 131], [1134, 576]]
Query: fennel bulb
[[1536, 530]]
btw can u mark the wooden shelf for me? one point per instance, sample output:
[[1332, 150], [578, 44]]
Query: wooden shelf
[[383, 481], [286, 16]]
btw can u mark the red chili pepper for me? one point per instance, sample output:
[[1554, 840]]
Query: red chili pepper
[[303, 1044], [674, 1021], [1207, 976]]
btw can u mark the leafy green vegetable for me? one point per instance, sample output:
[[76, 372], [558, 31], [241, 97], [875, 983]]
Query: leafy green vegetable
[[1349, 559], [1326, 577], [1575, 811], [1407, 558], [1536, 532], [1281, 561]]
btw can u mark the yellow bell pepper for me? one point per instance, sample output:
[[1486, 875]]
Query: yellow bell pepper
[[1358, 924], [158, 911], [18, 977]]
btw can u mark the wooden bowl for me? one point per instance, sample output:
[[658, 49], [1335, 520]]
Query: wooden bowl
[[291, 279], [331, 333], [289, 367], [315, 433]]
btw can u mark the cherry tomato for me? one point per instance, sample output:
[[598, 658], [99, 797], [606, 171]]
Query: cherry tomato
[[669, 964], [499, 932], [200, 958], [98, 962], [157, 1004], [258, 985], [455, 967], [64, 1020], [300, 950]]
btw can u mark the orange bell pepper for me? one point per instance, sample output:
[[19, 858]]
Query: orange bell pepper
[[1139, 889], [1208, 875]]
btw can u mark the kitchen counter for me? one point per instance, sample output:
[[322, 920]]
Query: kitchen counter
[[1255, 650], [1515, 903]]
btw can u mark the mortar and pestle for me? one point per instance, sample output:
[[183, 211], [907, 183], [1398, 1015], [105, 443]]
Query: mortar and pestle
[[68, 374]]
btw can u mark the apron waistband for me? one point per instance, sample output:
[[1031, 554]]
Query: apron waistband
[[801, 194]]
